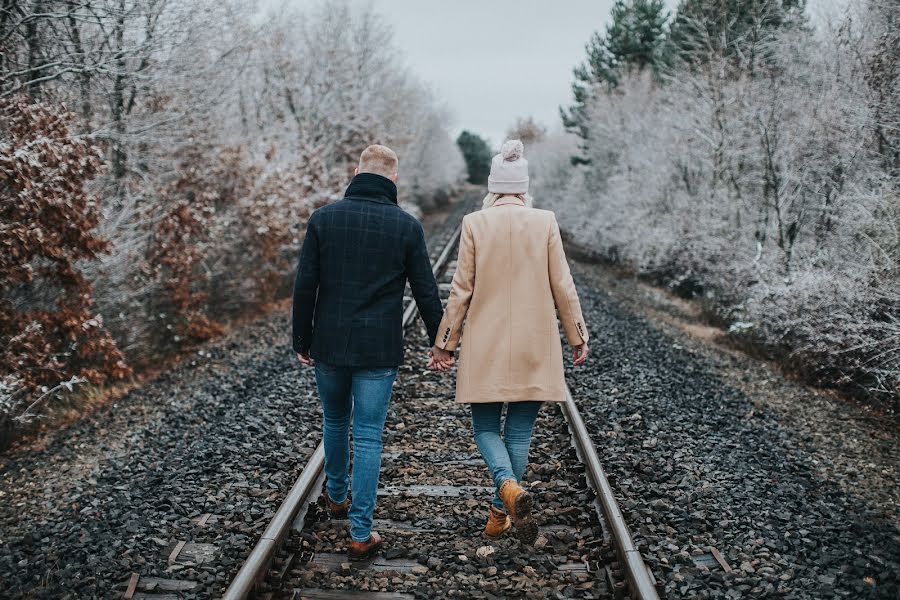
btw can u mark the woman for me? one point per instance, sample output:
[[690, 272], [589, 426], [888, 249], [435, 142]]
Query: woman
[[511, 275]]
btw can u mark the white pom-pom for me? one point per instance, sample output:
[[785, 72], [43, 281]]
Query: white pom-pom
[[512, 150]]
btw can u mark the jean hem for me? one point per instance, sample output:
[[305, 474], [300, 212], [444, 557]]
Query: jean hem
[[337, 501]]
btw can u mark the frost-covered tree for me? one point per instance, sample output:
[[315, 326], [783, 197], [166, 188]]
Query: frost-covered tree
[[220, 130], [883, 77], [431, 163], [737, 183], [634, 40], [528, 130], [737, 29]]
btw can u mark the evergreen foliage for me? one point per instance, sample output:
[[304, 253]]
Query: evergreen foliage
[[634, 41], [477, 155], [736, 29]]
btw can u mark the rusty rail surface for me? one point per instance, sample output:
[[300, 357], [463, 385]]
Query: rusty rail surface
[[304, 489]]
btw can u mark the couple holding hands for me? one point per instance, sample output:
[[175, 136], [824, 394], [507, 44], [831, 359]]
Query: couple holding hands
[[511, 280]]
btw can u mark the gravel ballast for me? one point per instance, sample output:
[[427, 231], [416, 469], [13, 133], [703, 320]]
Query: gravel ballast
[[698, 463], [223, 435]]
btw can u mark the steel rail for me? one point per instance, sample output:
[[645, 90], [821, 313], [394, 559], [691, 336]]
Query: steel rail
[[256, 565], [640, 582], [254, 568], [445, 253], [439, 263]]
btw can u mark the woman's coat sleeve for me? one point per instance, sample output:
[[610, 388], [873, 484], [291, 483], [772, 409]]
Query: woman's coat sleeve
[[563, 287], [461, 290]]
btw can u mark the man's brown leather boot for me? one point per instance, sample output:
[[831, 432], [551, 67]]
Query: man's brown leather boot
[[364, 550], [337, 511], [518, 503], [497, 524]]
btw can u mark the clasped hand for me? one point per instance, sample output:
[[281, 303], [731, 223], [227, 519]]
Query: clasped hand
[[439, 359]]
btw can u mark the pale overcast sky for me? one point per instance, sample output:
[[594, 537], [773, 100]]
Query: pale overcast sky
[[494, 60]]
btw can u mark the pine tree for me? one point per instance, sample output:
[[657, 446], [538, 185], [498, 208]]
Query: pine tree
[[735, 28], [477, 155], [634, 41]]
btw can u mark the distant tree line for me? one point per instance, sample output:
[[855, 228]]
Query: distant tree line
[[477, 152]]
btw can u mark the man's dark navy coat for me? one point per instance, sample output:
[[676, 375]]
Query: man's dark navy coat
[[357, 257]]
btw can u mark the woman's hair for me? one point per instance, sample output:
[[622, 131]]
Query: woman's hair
[[492, 197]]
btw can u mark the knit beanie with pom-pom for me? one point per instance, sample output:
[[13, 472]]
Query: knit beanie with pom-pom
[[509, 170]]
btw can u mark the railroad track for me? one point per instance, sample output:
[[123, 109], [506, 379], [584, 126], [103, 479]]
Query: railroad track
[[432, 505]]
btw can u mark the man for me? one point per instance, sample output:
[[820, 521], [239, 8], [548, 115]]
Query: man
[[348, 307]]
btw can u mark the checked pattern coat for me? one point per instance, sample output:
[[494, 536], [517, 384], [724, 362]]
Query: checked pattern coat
[[357, 257]]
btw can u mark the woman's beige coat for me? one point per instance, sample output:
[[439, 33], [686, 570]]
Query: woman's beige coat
[[511, 278]]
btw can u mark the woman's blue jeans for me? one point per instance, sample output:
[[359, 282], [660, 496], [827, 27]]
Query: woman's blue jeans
[[506, 458], [366, 394]]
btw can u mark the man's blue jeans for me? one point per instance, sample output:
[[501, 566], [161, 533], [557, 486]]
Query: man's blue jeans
[[506, 458], [364, 393]]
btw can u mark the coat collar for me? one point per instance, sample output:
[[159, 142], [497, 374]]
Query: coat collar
[[504, 200], [370, 186]]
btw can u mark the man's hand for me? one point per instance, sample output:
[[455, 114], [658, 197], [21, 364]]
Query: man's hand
[[440, 359], [305, 359], [579, 354]]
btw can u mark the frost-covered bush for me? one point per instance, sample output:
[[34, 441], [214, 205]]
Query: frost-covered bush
[[772, 192], [49, 328]]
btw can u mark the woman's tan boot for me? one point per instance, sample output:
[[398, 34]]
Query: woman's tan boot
[[497, 524], [518, 503]]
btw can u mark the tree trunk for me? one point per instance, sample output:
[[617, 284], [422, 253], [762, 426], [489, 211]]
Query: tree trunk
[[119, 156], [33, 44], [84, 78]]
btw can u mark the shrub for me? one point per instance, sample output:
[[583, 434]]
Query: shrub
[[48, 329]]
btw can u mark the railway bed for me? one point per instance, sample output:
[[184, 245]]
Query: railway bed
[[433, 501]]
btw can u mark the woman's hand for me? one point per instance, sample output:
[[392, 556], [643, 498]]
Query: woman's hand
[[440, 359], [579, 354]]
